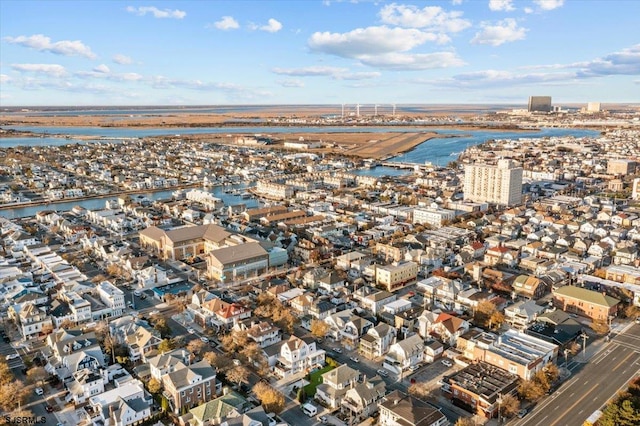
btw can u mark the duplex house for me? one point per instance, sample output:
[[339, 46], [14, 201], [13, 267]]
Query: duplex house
[[128, 404]]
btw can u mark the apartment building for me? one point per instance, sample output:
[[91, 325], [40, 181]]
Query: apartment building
[[499, 184], [397, 275]]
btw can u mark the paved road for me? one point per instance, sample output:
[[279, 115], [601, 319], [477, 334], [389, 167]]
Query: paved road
[[607, 371]]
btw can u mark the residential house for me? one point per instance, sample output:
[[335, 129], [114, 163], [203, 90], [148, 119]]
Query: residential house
[[399, 409], [189, 385], [335, 384], [522, 314], [529, 287], [447, 328], [373, 299], [347, 327], [127, 404], [298, 356], [230, 405], [71, 351], [361, 401], [404, 354], [84, 384], [264, 334], [376, 342], [32, 320]]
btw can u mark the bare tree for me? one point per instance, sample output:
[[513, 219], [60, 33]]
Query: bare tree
[[319, 328], [196, 347]]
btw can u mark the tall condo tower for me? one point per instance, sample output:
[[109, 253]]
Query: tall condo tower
[[500, 184], [539, 104]]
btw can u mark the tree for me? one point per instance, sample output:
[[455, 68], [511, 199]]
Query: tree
[[67, 323], [13, 395], [552, 372], [165, 346], [509, 406], [319, 328], [37, 375], [600, 327], [196, 346], [160, 324], [154, 386], [531, 390], [222, 363], [301, 395], [178, 341], [272, 400], [496, 319], [238, 374], [465, 421]]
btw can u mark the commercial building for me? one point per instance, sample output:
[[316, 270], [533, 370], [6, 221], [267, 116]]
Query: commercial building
[[499, 184], [539, 104], [584, 302], [621, 167], [479, 388]]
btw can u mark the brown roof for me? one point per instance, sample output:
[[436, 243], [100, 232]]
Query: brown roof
[[226, 255]]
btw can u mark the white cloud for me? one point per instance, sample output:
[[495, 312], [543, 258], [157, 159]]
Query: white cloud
[[122, 59], [501, 5], [333, 72], [369, 41], [430, 17], [357, 76], [549, 4], [313, 71], [412, 62], [528, 10], [502, 32], [102, 68], [43, 43], [4, 78], [157, 13], [624, 62], [272, 26], [226, 23], [456, 2], [291, 83], [53, 70]]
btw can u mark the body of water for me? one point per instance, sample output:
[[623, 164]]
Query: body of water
[[440, 151], [100, 203]]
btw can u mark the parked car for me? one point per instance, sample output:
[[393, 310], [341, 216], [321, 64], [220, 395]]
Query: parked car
[[338, 350], [137, 293], [522, 413], [414, 367], [382, 373], [447, 363], [48, 408], [39, 391], [204, 339], [322, 419], [12, 356], [354, 359], [190, 330]]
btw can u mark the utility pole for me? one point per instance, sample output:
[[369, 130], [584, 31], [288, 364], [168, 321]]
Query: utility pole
[[584, 345]]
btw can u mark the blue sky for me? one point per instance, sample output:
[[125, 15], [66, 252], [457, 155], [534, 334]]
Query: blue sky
[[318, 52]]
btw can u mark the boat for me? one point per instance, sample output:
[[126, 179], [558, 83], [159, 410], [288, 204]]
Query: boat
[[246, 195]]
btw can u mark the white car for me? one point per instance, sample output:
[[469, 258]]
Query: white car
[[137, 293], [190, 330], [414, 367], [12, 356], [354, 359], [39, 391], [447, 363], [338, 350], [204, 339]]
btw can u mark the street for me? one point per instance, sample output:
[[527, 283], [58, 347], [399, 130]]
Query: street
[[607, 372]]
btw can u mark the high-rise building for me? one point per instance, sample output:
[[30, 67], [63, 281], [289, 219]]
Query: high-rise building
[[593, 107], [635, 192], [500, 184], [539, 104]]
